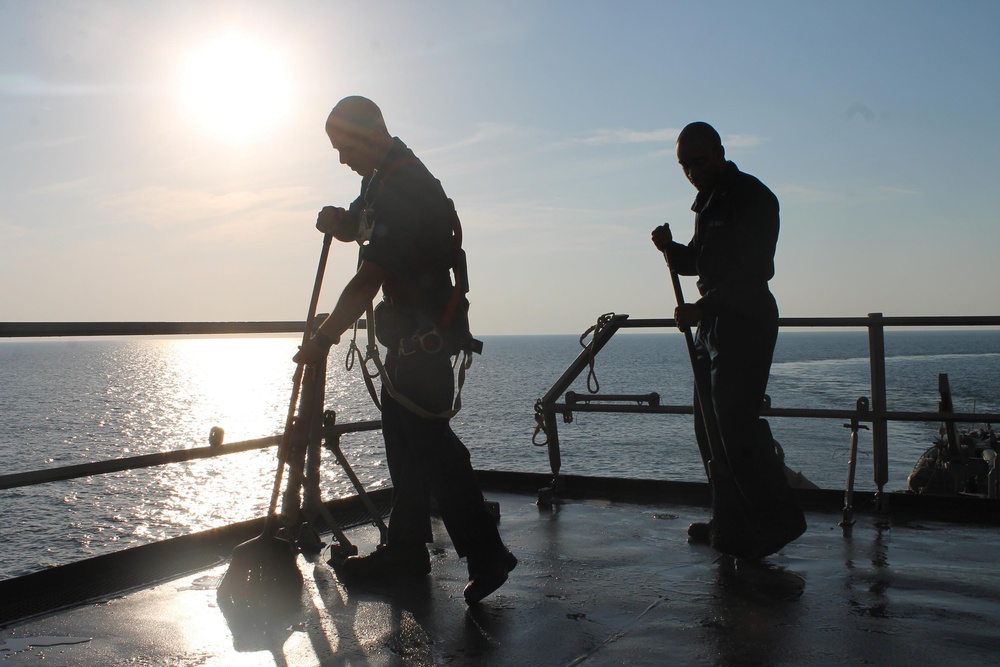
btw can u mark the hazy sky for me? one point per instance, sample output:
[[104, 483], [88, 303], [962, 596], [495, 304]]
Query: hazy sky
[[148, 174]]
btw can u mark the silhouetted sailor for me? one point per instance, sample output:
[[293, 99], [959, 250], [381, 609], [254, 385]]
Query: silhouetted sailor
[[732, 253]]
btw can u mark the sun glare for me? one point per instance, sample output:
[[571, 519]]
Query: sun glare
[[236, 89]]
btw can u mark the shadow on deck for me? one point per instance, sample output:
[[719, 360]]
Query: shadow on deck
[[598, 583]]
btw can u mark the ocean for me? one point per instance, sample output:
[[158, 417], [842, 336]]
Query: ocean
[[70, 401]]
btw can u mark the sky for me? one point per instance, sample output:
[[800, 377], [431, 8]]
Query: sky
[[165, 161]]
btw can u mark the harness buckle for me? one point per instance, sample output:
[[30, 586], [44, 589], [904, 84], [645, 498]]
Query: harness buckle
[[428, 340]]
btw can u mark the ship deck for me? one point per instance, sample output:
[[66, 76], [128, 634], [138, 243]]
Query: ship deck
[[599, 582]]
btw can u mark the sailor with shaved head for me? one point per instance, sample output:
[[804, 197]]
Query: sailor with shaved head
[[410, 248]]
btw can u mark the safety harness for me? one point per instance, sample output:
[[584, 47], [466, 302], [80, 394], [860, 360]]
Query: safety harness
[[419, 341]]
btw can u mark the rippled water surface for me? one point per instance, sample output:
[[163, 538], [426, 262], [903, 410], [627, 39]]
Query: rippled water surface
[[72, 401]]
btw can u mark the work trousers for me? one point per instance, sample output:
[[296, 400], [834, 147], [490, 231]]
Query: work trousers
[[425, 457], [733, 359]]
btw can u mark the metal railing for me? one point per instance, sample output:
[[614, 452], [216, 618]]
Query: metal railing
[[49, 329], [84, 329], [62, 473], [871, 410]]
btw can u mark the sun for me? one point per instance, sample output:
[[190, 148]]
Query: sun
[[235, 88]]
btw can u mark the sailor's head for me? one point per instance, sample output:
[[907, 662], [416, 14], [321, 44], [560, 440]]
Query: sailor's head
[[357, 131], [701, 155]]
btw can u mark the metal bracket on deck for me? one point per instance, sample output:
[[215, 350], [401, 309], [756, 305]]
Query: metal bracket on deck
[[548, 496], [863, 410], [331, 440]]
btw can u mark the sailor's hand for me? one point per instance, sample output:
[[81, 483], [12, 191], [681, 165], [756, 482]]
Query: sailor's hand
[[662, 237], [314, 350], [335, 220], [687, 315]]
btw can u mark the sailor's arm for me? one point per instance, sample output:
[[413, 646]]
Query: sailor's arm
[[354, 300]]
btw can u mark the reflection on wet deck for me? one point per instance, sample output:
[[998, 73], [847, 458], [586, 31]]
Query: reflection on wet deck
[[598, 583]]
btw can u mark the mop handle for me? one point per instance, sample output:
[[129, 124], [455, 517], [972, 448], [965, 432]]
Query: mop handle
[[297, 377]]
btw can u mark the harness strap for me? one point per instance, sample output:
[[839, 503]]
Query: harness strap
[[372, 348], [463, 360], [354, 351], [372, 353]]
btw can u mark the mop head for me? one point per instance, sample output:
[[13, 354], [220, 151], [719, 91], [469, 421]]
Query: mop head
[[262, 582]]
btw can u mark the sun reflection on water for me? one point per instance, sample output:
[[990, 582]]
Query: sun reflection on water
[[234, 382], [244, 386], [121, 398]]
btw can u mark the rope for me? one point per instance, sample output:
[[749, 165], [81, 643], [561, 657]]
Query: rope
[[539, 426], [371, 350], [593, 386], [353, 351]]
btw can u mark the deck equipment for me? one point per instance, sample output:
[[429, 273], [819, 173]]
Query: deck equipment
[[263, 570]]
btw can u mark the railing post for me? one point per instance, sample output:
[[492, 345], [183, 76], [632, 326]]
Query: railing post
[[847, 520], [552, 432], [546, 423], [880, 438]]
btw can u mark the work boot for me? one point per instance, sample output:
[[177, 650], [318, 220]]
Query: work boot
[[728, 530], [776, 529], [733, 535], [759, 534], [389, 562], [484, 578], [700, 533]]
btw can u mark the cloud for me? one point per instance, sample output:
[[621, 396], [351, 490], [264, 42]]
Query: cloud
[[666, 135], [802, 193], [601, 137], [846, 193], [76, 186], [484, 133], [9, 232], [858, 109], [25, 85], [742, 141], [44, 144], [898, 191], [163, 207]]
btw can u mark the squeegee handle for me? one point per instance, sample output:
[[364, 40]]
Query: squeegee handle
[[702, 392], [675, 281]]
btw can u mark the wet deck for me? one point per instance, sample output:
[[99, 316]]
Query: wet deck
[[598, 583]]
